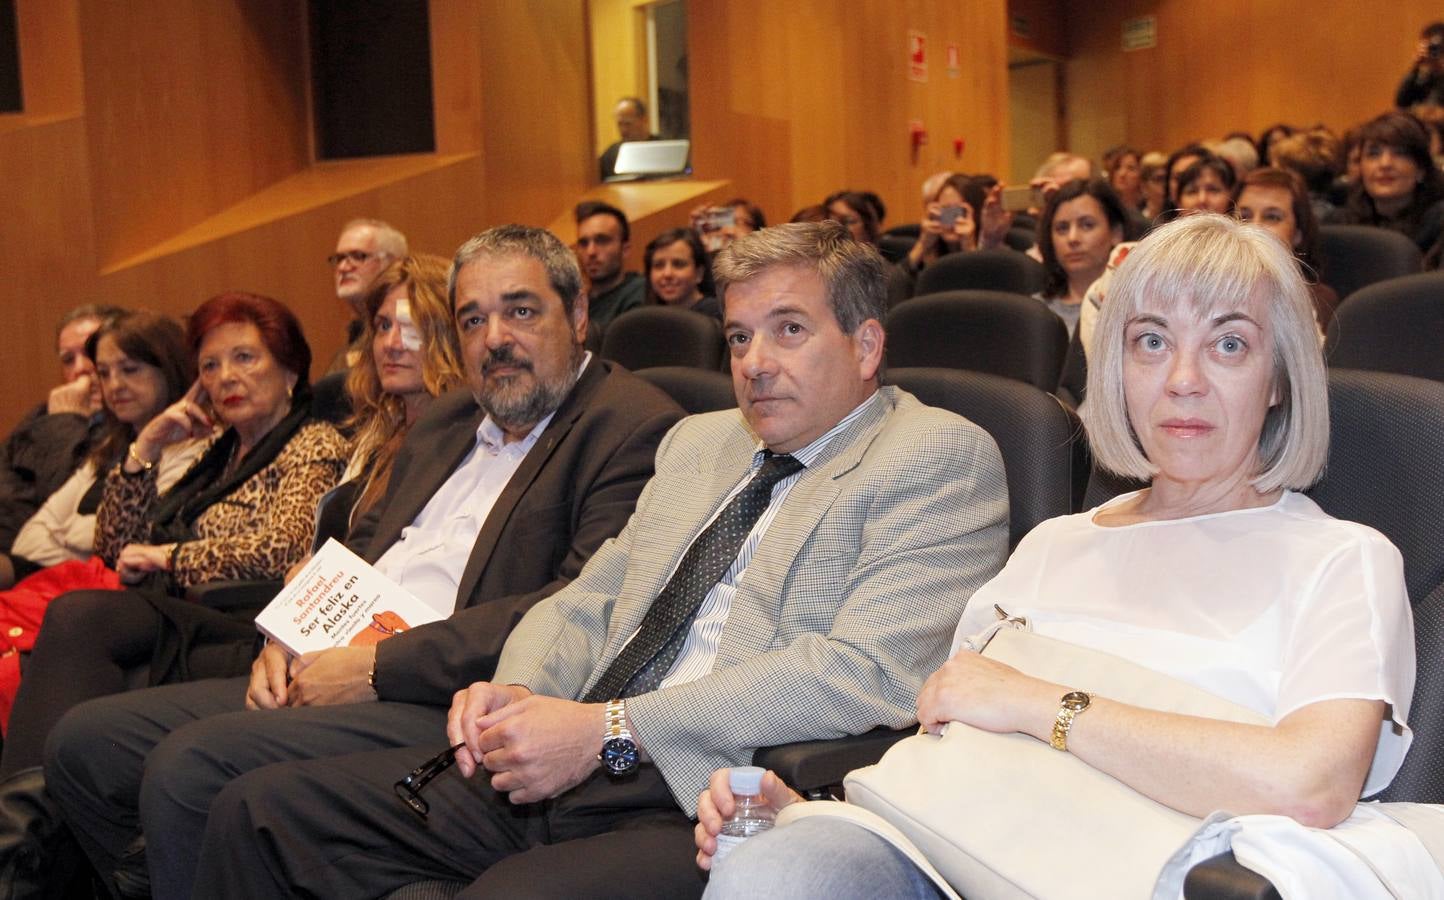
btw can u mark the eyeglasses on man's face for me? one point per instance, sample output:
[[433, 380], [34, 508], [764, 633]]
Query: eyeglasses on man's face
[[357, 257]]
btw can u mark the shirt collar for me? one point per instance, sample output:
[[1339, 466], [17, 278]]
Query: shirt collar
[[493, 439], [813, 450]]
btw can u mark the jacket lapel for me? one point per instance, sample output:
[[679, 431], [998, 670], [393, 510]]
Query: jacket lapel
[[521, 481], [451, 448], [756, 607]]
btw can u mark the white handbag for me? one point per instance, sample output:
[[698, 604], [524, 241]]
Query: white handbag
[[1005, 815]]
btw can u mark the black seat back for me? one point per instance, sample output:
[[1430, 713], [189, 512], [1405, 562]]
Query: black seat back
[[663, 336], [1392, 326], [983, 270], [984, 331], [1353, 256], [695, 390], [1039, 438]]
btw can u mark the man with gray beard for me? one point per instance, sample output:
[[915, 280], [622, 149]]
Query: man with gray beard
[[498, 497]]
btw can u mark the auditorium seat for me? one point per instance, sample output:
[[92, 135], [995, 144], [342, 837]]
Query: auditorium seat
[[1353, 256], [1021, 239], [1392, 326], [984, 331], [1041, 442], [983, 270], [663, 336], [1073, 381], [695, 390], [895, 247]]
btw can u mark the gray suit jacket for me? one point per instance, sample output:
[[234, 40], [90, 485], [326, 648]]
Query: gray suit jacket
[[848, 604]]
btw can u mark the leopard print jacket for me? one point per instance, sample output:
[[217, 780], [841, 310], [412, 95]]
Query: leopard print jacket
[[258, 531]]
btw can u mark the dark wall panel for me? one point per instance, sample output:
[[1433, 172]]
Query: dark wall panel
[[371, 71]]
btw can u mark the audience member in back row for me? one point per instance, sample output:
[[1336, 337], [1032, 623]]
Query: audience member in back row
[[1153, 170], [603, 237], [950, 223], [1317, 156], [500, 494], [50, 442], [678, 274], [1425, 81], [245, 510], [857, 213], [1269, 140], [1206, 186], [1081, 224], [1275, 200], [1122, 166], [1399, 186], [363, 251]]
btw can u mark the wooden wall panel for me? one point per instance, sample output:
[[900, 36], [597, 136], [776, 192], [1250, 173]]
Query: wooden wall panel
[[793, 101], [189, 108], [1234, 64], [536, 126], [49, 56]]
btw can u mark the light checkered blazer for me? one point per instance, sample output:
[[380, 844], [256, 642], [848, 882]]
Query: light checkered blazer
[[848, 605]]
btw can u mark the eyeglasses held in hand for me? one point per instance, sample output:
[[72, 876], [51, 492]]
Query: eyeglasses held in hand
[[409, 788], [356, 256]]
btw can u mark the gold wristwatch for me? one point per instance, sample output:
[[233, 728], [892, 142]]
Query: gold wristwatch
[[1074, 703]]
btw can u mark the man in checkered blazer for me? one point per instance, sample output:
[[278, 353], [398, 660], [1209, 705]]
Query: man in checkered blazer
[[842, 577]]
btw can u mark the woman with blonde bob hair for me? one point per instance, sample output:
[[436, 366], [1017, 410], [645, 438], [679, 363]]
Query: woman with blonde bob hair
[[414, 358], [1207, 382]]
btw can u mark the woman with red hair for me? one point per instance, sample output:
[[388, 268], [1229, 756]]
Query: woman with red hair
[[244, 511]]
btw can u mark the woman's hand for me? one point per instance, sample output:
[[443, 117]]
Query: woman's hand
[[715, 804], [138, 560], [185, 418], [987, 694]]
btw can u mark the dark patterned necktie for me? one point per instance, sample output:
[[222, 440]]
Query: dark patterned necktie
[[647, 658]]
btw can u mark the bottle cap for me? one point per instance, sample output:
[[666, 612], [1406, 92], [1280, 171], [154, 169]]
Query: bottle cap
[[746, 780]]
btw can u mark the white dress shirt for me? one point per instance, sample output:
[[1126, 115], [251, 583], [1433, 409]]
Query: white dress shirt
[[431, 553]]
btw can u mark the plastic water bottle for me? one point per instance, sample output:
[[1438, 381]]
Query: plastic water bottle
[[752, 816]]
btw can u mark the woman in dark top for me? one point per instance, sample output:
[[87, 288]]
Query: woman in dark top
[[1399, 187], [677, 273]]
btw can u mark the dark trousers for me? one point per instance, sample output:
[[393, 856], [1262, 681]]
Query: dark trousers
[[335, 828], [153, 760], [92, 643]]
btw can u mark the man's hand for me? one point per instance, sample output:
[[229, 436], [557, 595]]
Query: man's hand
[[538, 747], [715, 805], [138, 560], [72, 397], [469, 707], [330, 677], [268, 679]]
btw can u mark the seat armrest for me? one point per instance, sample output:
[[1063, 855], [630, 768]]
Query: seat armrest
[[239, 597], [1224, 878], [814, 766]]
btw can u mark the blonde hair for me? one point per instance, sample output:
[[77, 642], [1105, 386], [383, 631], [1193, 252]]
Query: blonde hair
[[1202, 263], [379, 418]]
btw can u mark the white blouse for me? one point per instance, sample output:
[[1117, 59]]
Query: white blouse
[[1273, 608]]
